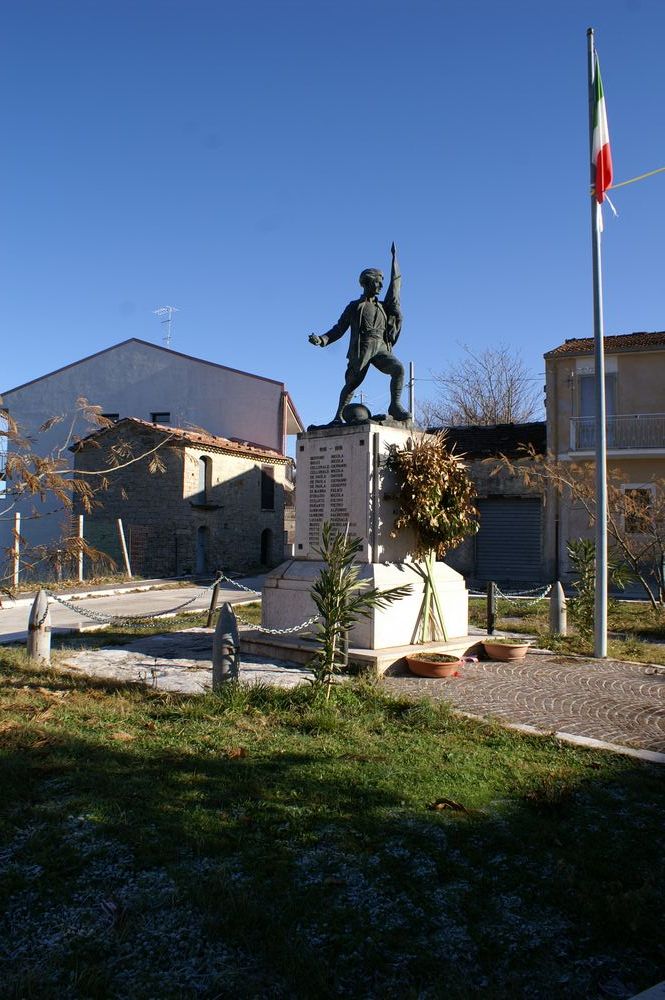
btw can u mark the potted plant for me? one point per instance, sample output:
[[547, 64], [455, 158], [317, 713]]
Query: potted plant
[[434, 664], [504, 648], [436, 500]]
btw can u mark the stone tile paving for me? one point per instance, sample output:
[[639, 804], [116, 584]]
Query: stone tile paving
[[616, 702], [175, 661], [612, 701]]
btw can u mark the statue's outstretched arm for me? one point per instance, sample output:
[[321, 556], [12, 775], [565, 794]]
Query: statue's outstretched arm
[[336, 331]]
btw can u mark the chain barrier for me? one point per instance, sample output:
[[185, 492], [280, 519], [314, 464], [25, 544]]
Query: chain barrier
[[234, 583], [531, 596], [262, 628], [102, 619], [106, 619], [278, 631], [43, 617]]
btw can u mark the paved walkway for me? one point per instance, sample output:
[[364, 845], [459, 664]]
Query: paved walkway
[[619, 703], [615, 703], [124, 602]]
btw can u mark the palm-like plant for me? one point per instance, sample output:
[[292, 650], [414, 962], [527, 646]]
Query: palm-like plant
[[341, 598]]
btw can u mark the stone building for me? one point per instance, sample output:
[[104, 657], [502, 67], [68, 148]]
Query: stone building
[[157, 384], [194, 503]]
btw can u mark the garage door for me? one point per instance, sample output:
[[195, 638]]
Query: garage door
[[508, 543]]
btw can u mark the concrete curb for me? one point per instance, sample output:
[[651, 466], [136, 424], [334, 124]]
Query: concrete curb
[[650, 756]]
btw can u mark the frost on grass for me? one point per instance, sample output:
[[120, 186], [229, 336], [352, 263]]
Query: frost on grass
[[133, 927]]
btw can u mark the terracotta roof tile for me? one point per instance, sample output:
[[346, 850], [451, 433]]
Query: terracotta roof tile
[[187, 436], [619, 342]]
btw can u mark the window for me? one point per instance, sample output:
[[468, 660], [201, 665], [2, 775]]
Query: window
[[205, 477], [638, 508], [267, 487], [161, 417]]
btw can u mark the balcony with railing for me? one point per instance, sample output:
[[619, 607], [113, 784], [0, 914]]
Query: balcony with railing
[[630, 431]]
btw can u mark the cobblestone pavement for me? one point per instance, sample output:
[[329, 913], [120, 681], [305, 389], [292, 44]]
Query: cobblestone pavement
[[616, 702]]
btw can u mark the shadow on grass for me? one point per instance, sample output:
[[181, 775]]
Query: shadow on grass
[[331, 860]]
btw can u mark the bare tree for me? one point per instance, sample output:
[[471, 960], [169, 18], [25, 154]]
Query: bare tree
[[28, 475], [635, 516], [486, 387]]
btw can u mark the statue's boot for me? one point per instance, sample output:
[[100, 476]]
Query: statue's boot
[[396, 410], [344, 397]]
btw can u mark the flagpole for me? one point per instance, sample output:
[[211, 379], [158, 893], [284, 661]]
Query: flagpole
[[600, 613]]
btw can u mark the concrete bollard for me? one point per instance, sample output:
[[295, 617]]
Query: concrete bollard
[[39, 629], [225, 648], [558, 610]]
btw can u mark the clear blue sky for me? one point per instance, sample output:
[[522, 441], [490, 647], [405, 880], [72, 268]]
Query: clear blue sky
[[245, 162]]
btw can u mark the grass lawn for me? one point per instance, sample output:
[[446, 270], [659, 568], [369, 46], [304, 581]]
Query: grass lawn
[[635, 630], [260, 843]]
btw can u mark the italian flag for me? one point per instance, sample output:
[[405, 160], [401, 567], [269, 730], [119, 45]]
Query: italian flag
[[601, 157]]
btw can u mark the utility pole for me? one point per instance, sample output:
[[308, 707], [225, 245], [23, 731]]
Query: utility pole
[[165, 314]]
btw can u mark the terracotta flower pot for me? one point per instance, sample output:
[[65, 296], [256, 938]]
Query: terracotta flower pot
[[434, 664], [505, 651]]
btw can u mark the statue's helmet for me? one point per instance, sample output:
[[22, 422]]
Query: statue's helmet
[[369, 272]]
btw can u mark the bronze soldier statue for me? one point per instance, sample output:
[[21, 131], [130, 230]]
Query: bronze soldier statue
[[375, 327]]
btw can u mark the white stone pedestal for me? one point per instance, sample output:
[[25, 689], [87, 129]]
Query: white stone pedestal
[[341, 478], [287, 601]]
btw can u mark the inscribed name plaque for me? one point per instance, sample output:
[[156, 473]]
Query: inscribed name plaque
[[341, 480]]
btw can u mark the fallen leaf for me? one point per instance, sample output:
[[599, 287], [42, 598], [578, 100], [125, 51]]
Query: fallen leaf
[[122, 736], [440, 804], [151, 726], [235, 752]]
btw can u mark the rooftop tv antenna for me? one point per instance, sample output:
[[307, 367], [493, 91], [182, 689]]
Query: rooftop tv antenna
[[165, 314]]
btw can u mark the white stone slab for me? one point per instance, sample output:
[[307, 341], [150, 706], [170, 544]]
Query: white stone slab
[[287, 601]]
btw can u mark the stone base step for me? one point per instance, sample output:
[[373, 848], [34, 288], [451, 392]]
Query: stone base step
[[376, 661]]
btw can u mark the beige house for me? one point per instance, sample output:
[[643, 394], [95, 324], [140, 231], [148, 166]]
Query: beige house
[[635, 404], [196, 503]]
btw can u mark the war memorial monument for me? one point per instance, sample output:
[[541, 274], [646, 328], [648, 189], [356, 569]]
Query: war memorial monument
[[342, 479]]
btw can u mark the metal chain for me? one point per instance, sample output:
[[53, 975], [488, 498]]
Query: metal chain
[[43, 617], [278, 631], [103, 619], [537, 594], [240, 586], [261, 628]]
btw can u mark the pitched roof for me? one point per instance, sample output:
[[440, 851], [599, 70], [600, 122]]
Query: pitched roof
[[180, 435], [496, 439], [145, 343], [613, 345]]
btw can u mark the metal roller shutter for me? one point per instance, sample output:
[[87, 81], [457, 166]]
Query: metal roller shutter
[[508, 543]]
